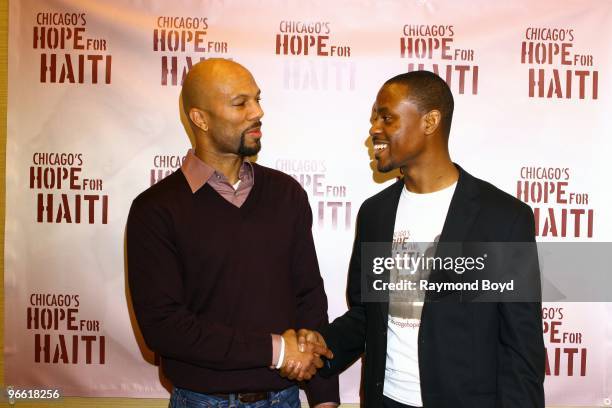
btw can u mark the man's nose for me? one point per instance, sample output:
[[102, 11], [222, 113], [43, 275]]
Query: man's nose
[[256, 112], [375, 129]]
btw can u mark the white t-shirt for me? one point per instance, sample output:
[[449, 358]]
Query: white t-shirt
[[419, 221]]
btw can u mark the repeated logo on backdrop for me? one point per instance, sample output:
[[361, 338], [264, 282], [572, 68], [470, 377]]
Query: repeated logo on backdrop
[[61, 336], [319, 62], [565, 353], [181, 43], [433, 48], [164, 165], [69, 55], [330, 201], [557, 69], [64, 194], [559, 210]]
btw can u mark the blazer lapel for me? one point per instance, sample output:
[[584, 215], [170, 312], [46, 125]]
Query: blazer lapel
[[462, 213], [386, 229], [463, 209]]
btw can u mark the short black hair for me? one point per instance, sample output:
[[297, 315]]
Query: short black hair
[[428, 91]]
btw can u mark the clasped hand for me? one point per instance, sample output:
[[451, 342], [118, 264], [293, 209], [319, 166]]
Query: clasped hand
[[303, 352]]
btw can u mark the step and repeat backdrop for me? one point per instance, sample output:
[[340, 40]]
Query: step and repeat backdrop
[[94, 119]]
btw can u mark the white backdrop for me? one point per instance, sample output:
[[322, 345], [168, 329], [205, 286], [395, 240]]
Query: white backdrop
[[93, 119]]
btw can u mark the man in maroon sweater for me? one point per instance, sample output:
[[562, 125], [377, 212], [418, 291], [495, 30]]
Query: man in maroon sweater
[[221, 260]]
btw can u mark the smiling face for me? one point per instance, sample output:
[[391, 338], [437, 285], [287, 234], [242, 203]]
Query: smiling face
[[398, 128]]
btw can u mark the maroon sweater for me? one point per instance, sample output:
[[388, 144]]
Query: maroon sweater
[[210, 281]]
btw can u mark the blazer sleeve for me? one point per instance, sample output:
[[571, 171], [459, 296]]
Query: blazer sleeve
[[311, 298], [521, 354], [345, 337]]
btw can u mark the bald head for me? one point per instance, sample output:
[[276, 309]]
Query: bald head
[[207, 79], [221, 100]]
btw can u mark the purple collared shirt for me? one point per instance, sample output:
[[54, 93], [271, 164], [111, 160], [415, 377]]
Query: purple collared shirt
[[199, 173]]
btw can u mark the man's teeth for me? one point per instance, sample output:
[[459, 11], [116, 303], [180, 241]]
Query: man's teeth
[[380, 146]]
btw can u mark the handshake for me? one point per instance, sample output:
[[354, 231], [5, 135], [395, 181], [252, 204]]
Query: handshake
[[303, 352]]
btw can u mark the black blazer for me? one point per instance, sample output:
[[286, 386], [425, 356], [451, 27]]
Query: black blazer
[[471, 355]]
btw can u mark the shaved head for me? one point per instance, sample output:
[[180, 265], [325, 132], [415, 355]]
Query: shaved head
[[205, 79], [221, 101]]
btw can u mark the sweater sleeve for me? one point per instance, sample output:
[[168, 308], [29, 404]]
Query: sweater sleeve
[[168, 326], [311, 298]]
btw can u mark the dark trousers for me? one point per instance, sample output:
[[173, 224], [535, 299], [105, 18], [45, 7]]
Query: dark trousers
[[389, 403]]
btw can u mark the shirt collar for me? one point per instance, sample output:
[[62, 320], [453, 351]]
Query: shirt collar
[[198, 172]]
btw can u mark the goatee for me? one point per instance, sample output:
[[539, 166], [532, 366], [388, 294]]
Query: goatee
[[245, 151]]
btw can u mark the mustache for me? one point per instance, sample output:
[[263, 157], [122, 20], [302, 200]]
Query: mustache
[[253, 126]]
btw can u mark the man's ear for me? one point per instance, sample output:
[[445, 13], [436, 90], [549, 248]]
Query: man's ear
[[199, 119], [432, 121]]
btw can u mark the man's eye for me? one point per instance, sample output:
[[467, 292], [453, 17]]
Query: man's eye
[[386, 118], [240, 103]]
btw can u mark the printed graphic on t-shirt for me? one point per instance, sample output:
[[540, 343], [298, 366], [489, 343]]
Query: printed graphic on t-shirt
[[408, 304], [418, 223]]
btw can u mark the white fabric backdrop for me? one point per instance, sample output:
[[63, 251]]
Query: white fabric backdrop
[[93, 101]]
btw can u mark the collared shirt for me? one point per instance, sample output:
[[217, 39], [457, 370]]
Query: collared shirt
[[199, 173]]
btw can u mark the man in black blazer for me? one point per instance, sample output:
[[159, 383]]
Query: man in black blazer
[[467, 354]]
